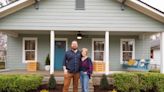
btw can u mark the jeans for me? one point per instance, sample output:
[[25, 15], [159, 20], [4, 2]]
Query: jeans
[[67, 80], [84, 79]]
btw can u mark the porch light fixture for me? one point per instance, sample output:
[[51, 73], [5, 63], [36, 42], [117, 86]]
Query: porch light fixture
[[37, 4], [79, 36]]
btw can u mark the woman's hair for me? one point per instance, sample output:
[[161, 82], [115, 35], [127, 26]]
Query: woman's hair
[[85, 49]]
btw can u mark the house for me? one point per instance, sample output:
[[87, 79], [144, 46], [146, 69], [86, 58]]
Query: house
[[114, 31], [155, 52]]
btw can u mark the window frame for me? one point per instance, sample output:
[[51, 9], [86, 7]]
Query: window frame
[[23, 49], [97, 39], [121, 49]]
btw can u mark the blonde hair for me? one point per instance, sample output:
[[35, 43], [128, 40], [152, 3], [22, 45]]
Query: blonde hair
[[86, 50]]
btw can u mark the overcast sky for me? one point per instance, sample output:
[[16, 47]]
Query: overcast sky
[[159, 4]]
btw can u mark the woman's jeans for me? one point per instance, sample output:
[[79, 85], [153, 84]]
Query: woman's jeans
[[84, 79]]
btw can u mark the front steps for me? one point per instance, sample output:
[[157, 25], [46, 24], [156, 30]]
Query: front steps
[[60, 80]]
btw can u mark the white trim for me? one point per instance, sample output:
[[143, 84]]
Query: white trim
[[106, 52], [162, 53], [133, 56], [12, 5], [96, 39], [63, 39], [52, 51], [23, 48]]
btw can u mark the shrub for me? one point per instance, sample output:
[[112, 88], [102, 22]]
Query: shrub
[[154, 70], [126, 82], [19, 83], [47, 62], [159, 83], [104, 85], [135, 82], [52, 82]]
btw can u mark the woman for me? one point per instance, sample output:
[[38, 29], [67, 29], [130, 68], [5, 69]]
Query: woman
[[86, 69]]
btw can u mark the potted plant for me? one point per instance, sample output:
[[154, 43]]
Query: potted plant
[[47, 63]]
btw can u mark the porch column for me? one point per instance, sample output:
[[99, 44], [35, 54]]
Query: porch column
[[106, 53], [162, 52], [52, 51]]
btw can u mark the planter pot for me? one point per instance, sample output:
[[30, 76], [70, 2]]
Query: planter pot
[[47, 67], [2, 65]]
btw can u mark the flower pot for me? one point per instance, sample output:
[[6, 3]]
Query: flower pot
[[47, 67]]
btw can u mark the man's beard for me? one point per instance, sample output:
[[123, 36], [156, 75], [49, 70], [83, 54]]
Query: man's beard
[[74, 48]]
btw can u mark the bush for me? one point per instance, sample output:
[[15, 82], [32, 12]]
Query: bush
[[136, 82], [104, 85], [19, 83], [154, 70], [47, 62], [52, 82], [126, 82]]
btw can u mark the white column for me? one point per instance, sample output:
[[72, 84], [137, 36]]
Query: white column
[[162, 52], [52, 51], [106, 53]]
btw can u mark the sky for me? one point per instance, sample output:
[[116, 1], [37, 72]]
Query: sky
[[158, 4]]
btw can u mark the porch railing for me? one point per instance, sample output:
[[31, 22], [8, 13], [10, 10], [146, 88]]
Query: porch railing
[[4, 3]]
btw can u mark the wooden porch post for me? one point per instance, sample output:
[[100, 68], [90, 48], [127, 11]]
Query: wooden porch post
[[106, 53], [52, 51], [162, 53]]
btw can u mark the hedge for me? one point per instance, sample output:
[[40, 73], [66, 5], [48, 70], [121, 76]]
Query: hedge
[[19, 83], [136, 82]]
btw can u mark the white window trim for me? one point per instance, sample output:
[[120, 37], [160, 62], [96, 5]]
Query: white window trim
[[121, 52], [23, 48], [63, 39], [96, 39]]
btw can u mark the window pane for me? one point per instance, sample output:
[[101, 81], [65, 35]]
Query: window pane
[[30, 45], [98, 45], [98, 56], [127, 56], [127, 46], [30, 55]]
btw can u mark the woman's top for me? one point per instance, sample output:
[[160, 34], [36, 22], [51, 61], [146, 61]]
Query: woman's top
[[86, 66]]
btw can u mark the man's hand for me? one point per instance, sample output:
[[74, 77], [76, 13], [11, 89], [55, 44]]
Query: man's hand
[[65, 70]]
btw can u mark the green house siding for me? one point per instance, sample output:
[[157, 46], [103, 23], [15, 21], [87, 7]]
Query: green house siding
[[99, 15], [14, 52]]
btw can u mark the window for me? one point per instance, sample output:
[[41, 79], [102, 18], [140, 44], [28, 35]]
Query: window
[[80, 4], [127, 50], [98, 49], [29, 49]]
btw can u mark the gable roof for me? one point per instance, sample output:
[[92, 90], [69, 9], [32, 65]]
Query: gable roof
[[100, 15], [145, 8], [14, 6]]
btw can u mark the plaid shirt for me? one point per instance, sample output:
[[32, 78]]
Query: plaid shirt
[[72, 61]]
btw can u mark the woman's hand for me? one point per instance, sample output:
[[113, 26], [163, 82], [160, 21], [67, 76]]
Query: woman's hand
[[85, 72]]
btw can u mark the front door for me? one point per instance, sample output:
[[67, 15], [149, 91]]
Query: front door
[[60, 48]]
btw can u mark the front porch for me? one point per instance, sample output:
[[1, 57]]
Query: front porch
[[105, 47]]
